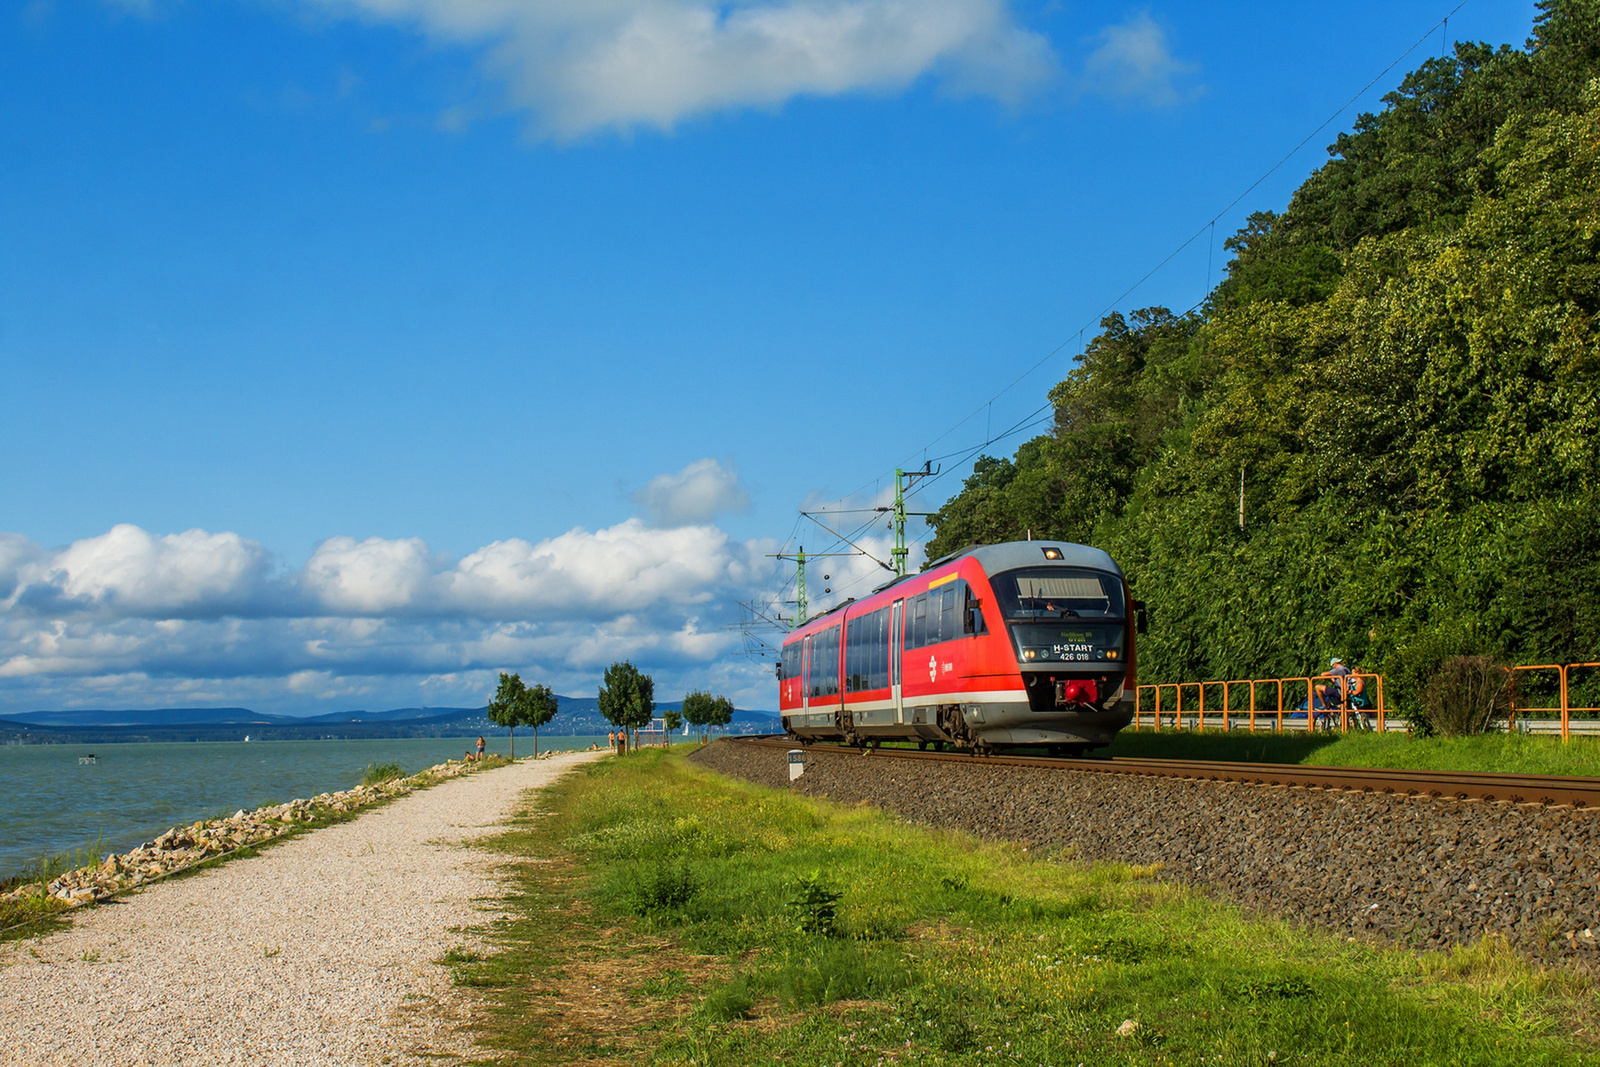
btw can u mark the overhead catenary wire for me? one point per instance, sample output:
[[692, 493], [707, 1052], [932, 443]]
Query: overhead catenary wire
[[1208, 225]]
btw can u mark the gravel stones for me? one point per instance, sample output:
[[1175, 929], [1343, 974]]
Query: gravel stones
[[1428, 873], [319, 951], [185, 846]]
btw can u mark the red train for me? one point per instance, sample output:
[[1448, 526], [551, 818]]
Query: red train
[[1024, 643]]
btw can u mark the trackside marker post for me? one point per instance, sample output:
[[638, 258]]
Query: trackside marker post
[[797, 763]]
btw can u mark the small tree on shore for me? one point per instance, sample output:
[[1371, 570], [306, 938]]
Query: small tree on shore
[[627, 697], [672, 720], [515, 704], [540, 706], [722, 713], [698, 707]]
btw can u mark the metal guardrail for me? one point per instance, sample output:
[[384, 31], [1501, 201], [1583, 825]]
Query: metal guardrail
[[1167, 703], [1564, 708], [1315, 710]]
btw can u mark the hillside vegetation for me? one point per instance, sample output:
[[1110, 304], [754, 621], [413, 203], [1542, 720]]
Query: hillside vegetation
[[1403, 364]]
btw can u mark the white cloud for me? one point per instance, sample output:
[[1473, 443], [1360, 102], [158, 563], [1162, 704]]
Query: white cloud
[[371, 577], [587, 65], [138, 619], [1134, 61], [698, 493], [127, 571]]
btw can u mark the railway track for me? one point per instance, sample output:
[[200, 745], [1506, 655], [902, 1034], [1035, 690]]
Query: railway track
[[1540, 789]]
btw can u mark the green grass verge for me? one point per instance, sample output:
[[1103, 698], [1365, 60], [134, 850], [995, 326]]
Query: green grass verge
[[1508, 753], [663, 914]]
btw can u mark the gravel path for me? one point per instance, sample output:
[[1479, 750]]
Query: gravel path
[[319, 951]]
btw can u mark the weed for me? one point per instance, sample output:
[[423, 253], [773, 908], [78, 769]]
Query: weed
[[817, 904], [665, 886], [729, 1001], [378, 773], [90, 956]]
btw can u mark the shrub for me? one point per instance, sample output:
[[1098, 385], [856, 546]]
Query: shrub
[[1466, 695], [666, 886], [378, 773]]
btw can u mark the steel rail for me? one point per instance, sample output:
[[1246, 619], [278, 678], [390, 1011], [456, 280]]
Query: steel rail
[[1544, 789]]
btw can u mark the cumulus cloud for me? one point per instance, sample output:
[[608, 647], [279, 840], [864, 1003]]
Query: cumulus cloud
[[127, 571], [586, 65], [698, 493], [147, 619], [1134, 61]]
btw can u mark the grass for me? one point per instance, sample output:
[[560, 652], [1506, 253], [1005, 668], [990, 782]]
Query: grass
[[1510, 753], [663, 914], [378, 773]]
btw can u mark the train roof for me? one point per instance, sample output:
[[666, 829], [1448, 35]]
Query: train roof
[[1006, 556]]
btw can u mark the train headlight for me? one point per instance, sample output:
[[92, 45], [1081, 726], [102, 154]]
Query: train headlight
[[1052, 553], [1030, 654], [1111, 653]]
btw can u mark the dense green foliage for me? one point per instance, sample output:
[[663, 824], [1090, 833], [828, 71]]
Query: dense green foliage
[[1403, 364]]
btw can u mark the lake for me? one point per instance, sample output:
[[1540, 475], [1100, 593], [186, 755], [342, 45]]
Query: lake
[[50, 803]]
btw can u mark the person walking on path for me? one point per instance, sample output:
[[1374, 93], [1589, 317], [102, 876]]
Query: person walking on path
[[480, 746]]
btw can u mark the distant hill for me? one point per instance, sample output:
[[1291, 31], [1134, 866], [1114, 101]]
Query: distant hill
[[156, 717], [579, 717]]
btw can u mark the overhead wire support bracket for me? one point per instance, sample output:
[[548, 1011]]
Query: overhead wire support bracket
[[800, 558], [903, 481]]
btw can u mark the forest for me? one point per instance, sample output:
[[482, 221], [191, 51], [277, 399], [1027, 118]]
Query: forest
[[1400, 368]]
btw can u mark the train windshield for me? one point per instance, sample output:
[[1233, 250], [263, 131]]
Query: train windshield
[[1058, 593]]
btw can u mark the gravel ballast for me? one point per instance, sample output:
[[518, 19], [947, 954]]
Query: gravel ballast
[[1429, 873], [319, 951]]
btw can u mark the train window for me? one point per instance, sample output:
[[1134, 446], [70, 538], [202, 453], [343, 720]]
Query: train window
[[867, 652], [972, 621], [1058, 593], [791, 660], [823, 675], [919, 622]]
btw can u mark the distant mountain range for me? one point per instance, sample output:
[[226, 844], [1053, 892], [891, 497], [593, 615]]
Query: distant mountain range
[[579, 716]]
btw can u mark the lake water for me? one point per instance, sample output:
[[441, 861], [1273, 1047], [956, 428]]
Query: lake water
[[49, 803]]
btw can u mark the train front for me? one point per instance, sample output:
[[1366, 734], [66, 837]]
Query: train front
[[1066, 615]]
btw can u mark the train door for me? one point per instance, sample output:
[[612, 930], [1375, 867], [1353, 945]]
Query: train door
[[897, 623], [805, 677]]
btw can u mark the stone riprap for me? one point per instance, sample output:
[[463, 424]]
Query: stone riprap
[[323, 950], [1428, 873], [184, 846]]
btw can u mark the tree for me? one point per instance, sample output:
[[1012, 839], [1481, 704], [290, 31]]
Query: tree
[[673, 720], [721, 712], [698, 707], [540, 705], [627, 697], [515, 705]]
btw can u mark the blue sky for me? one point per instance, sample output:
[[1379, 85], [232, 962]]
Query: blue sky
[[355, 349]]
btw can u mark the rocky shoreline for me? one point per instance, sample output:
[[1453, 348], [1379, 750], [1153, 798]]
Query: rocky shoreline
[[185, 846]]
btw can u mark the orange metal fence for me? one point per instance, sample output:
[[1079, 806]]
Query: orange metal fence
[[1564, 707], [1304, 703], [1295, 704]]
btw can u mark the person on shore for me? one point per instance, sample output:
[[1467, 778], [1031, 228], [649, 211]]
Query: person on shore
[[480, 746], [611, 739]]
